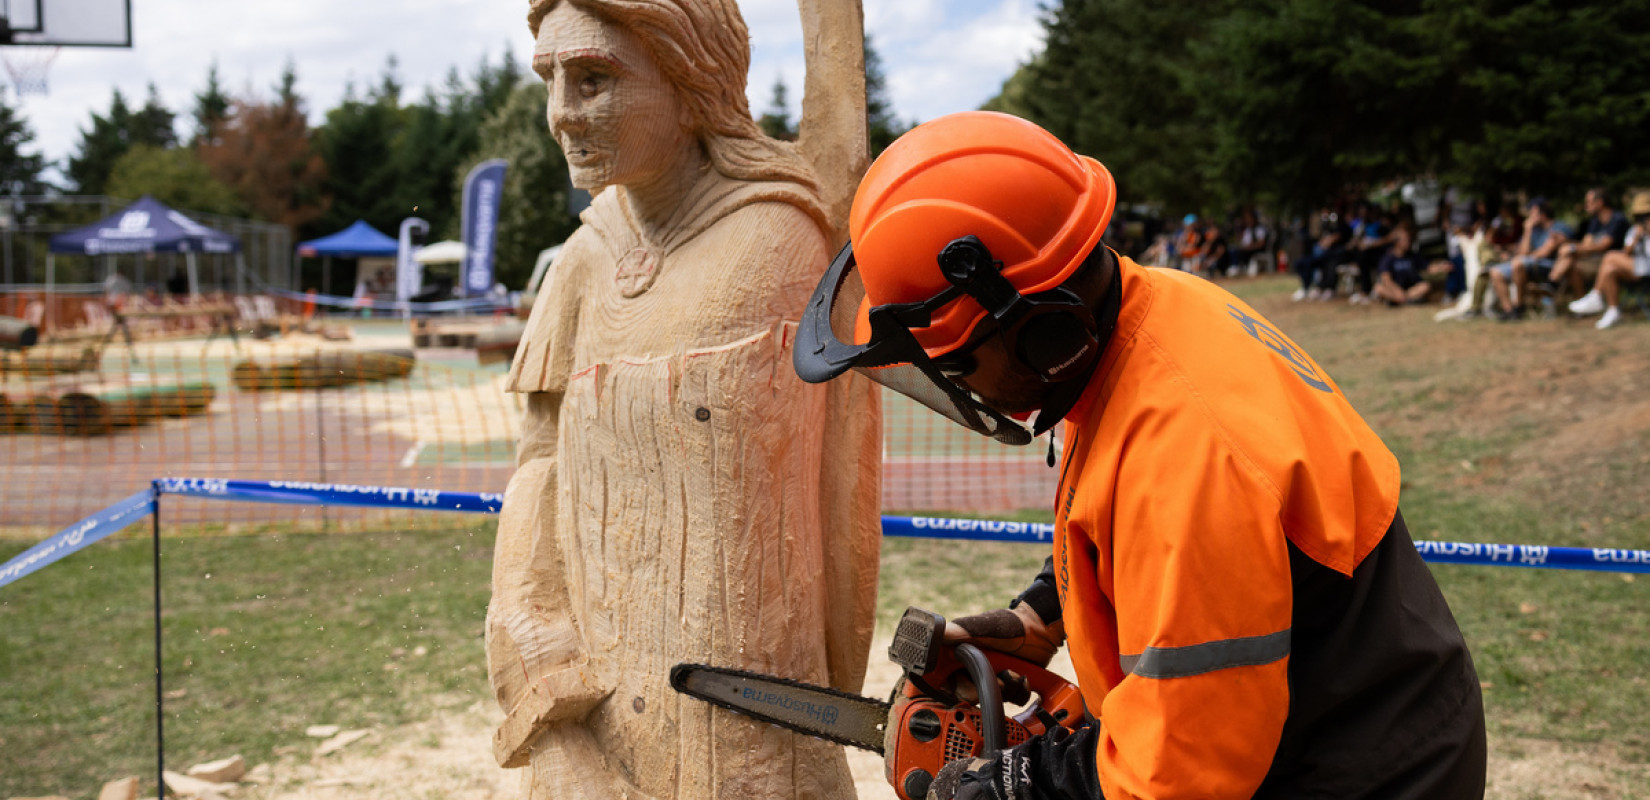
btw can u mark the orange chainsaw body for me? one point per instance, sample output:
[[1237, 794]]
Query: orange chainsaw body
[[930, 732]]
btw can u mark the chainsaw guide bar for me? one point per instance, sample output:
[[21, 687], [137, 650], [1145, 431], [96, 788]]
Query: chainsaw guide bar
[[820, 711]]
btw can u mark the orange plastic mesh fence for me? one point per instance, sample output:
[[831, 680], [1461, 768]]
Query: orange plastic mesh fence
[[932, 464], [80, 430], [76, 441]]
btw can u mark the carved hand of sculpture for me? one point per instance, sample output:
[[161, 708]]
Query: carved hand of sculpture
[[536, 655]]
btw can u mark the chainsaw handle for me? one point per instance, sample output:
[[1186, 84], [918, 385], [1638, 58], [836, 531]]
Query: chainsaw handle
[[993, 724]]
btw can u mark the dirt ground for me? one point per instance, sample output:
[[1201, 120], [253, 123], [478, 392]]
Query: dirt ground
[[450, 758]]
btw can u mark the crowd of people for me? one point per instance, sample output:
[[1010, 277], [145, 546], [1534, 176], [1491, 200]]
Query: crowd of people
[[1207, 248], [1505, 265]]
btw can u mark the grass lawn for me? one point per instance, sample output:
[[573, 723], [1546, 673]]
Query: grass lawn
[[264, 636], [1529, 433]]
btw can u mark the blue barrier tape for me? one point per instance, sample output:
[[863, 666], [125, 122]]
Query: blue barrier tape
[[355, 303], [79, 535], [985, 530], [1597, 559], [331, 494], [1522, 555], [137, 506]]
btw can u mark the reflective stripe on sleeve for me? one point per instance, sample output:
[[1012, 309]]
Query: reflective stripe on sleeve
[[1196, 659]]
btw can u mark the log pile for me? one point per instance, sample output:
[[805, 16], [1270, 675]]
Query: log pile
[[93, 411], [41, 361], [322, 370], [499, 342], [17, 334]]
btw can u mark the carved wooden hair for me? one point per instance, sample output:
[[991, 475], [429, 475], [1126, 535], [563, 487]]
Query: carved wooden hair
[[703, 48]]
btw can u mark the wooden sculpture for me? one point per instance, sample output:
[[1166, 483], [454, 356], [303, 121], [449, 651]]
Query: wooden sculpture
[[680, 494]]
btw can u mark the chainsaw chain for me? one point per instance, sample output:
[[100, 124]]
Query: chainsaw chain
[[678, 678]]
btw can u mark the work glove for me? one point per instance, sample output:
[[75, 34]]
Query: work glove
[[1030, 628], [1059, 765], [998, 775]]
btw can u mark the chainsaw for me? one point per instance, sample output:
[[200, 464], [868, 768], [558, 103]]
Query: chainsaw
[[948, 706]]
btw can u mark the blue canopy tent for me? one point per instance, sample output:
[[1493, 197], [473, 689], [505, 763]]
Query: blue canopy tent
[[146, 226], [357, 241]]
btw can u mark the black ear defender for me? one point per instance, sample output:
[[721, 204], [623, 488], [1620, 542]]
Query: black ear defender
[[1051, 333]]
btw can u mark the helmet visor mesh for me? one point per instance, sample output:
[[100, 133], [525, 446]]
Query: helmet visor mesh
[[839, 331]]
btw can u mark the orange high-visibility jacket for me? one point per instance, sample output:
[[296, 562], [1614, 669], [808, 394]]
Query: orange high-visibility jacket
[[1205, 445]]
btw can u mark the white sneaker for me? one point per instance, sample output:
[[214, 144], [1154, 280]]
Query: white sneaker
[[1589, 304], [1357, 299], [1299, 295], [1612, 315]]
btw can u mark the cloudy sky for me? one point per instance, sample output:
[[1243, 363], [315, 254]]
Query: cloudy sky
[[939, 55]]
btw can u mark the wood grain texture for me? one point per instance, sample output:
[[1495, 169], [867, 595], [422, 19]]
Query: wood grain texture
[[680, 494], [832, 132]]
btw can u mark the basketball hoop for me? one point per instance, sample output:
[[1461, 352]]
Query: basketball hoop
[[28, 67]]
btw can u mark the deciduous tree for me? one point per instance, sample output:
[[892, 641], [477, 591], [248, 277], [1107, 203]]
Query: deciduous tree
[[263, 152], [173, 175]]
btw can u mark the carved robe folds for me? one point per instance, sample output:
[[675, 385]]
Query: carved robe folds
[[681, 496]]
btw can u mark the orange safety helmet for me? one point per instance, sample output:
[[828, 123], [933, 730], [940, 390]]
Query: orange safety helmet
[[970, 215], [1035, 205]]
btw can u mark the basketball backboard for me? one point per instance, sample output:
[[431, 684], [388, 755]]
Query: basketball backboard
[[66, 23]]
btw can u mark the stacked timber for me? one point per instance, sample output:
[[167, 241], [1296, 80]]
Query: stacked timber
[[17, 334], [49, 361], [93, 411], [322, 370], [449, 331], [499, 342]]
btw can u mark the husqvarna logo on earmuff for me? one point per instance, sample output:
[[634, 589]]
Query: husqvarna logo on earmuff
[[1061, 367], [1274, 341]]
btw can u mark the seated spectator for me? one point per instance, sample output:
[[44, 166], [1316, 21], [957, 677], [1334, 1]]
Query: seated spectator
[[1506, 230], [1604, 231], [1372, 234], [1251, 242], [1619, 267], [1403, 273], [1188, 244], [1316, 268], [1160, 251], [1214, 252], [1463, 219], [178, 284], [1532, 259]]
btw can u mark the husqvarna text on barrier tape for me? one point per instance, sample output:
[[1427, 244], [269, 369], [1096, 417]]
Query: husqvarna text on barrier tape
[[79, 535], [119, 515]]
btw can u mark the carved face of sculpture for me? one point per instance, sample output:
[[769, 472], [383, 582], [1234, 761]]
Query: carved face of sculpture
[[617, 118]]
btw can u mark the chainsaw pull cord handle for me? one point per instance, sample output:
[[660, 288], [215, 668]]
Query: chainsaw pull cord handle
[[994, 725]]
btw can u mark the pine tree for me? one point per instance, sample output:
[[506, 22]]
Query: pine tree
[[154, 124], [19, 171], [286, 90], [425, 154], [388, 90], [882, 127], [776, 120], [494, 85], [101, 146], [211, 108], [357, 143]]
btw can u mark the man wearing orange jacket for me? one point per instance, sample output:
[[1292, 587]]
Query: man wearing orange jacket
[[1245, 610]]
